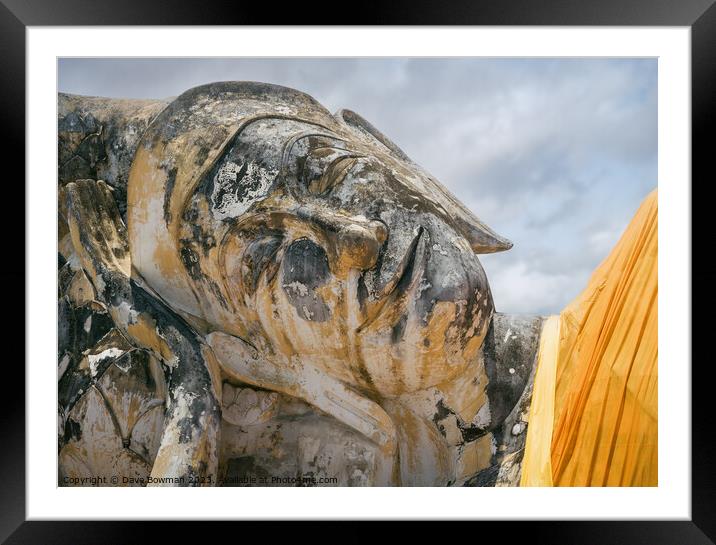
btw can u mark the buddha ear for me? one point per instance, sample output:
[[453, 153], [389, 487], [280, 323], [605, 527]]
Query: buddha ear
[[357, 123]]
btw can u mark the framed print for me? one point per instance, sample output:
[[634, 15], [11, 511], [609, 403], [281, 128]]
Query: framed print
[[366, 272]]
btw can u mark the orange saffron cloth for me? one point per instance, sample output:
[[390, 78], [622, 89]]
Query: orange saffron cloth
[[593, 419]]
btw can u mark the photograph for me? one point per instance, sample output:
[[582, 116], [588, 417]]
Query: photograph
[[425, 263], [357, 271]]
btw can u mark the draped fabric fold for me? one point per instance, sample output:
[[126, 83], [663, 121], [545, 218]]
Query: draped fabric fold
[[602, 378]]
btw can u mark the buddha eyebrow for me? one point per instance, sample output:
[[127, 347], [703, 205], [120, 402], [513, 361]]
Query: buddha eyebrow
[[207, 168], [291, 142]]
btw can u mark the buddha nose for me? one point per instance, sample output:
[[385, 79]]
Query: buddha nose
[[359, 242], [355, 240]]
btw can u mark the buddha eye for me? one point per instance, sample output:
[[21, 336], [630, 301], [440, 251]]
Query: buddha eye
[[321, 161], [331, 174], [325, 167]]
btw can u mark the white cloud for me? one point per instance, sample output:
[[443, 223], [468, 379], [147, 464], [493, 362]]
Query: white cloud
[[518, 288]]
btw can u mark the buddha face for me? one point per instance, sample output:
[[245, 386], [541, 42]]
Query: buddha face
[[312, 236]]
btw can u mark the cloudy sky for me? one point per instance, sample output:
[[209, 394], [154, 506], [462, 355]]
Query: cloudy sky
[[555, 154]]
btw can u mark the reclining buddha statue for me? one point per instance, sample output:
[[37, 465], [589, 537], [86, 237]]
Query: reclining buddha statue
[[255, 291]]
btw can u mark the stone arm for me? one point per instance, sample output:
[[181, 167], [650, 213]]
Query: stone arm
[[188, 452]]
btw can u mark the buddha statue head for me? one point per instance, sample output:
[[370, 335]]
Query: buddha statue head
[[255, 212]]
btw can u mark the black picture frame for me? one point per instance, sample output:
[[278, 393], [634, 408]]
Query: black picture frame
[[699, 15]]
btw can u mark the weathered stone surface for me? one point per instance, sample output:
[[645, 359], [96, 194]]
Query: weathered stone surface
[[301, 266], [97, 138], [111, 397], [247, 406], [188, 450], [510, 350], [310, 449]]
